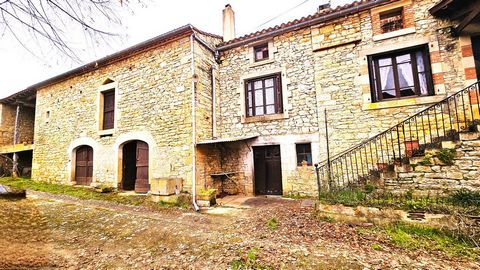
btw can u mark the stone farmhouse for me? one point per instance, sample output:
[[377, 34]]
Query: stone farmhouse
[[189, 110]]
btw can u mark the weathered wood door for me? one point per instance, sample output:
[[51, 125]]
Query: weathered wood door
[[268, 170], [141, 182], [84, 165]]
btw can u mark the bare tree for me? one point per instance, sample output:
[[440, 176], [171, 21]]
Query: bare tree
[[34, 22]]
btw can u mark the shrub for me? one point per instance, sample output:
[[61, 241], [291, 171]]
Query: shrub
[[465, 198], [446, 156]]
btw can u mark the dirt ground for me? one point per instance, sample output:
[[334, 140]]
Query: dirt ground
[[48, 232]]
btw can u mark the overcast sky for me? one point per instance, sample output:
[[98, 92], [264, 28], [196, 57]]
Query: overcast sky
[[19, 69]]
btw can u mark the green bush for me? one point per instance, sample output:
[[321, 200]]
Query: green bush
[[446, 156], [465, 198]]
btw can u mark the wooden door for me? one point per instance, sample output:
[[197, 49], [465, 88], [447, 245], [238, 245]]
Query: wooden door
[[268, 170], [84, 165], [141, 182]]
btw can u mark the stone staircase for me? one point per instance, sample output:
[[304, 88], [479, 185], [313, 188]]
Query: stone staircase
[[434, 151], [452, 165]]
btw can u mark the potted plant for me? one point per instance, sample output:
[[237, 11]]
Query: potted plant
[[206, 197]]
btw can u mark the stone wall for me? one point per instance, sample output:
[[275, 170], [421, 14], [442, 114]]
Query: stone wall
[[7, 124], [429, 175], [153, 104], [325, 67]]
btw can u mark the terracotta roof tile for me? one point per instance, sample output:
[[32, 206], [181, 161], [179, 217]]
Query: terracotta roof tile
[[308, 18]]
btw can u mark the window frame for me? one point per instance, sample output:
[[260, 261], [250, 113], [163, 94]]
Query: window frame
[[265, 50], [298, 154], [110, 92], [374, 72], [390, 12], [108, 86], [278, 98]]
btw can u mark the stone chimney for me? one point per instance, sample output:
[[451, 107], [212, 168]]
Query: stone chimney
[[228, 23]]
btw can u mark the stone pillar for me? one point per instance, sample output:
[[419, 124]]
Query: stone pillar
[[228, 23]]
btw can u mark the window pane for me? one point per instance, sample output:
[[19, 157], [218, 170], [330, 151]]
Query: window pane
[[259, 110], [389, 94], [420, 64], [304, 153], [385, 61], [405, 92], [258, 97], [250, 111], [422, 78], [270, 95], [269, 82], [259, 55], [250, 99], [249, 86], [405, 75], [403, 58], [270, 109], [386, 78], [258, 84]]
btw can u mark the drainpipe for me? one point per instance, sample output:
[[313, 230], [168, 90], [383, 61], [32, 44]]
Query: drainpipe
[[194, 133], [214, 104], [15, 141]]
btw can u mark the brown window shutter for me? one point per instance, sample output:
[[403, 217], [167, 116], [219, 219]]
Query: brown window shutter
[[278, 90], [108, 109]]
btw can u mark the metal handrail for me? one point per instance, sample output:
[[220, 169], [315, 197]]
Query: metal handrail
[[438, 122]]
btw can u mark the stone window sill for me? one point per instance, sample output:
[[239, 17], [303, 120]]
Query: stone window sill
[[263, 118], [402, 102], [260, 63], [106, 132], [393, 34]]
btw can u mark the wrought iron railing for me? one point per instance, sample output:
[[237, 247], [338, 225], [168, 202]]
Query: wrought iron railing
[[439, 122]]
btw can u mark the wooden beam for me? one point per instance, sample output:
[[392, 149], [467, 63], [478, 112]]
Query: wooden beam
[[475, 13]]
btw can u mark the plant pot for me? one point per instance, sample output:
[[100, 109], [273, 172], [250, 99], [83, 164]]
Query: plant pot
[[382, 166], [411, 147]]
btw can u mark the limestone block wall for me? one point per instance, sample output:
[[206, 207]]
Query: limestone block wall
[[326, 67], [342, 79], [7, 124], [429, 176], [153, 104]]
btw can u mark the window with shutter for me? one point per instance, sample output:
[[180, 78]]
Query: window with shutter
[[108, 109]]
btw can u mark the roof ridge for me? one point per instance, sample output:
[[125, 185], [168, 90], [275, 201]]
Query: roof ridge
[[304, 19]]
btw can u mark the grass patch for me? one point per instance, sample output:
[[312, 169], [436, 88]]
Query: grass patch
[[296, 196], [248, 261], [84, 193], [458, 202], [328, 219], [272, 223], [347, 197], [422, 237], [465, 198], [376, 247]]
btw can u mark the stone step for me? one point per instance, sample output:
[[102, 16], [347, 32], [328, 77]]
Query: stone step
[[469, 136]]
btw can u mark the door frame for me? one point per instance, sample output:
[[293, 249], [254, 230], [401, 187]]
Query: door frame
[[254, 147], [74, 164], [120, 160]]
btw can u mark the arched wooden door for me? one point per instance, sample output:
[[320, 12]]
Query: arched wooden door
[[84, 165]]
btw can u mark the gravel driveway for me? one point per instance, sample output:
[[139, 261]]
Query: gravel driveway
[[51, 232]]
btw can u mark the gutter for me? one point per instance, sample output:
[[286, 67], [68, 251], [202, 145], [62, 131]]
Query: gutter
[[194, 126], [328, 17]]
